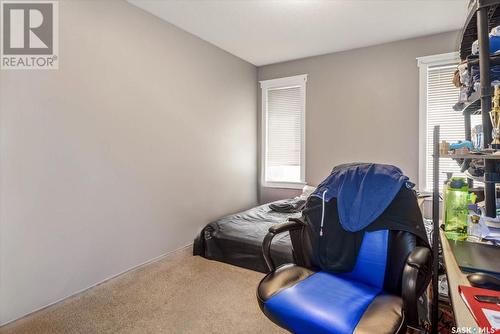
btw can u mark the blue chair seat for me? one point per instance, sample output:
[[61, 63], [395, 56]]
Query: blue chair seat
[[304, 301], [322, 303]]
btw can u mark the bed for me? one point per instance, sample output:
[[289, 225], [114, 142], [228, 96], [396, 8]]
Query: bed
[[237, 239]]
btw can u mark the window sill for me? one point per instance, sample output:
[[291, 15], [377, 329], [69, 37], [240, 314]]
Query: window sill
[[284, 185]]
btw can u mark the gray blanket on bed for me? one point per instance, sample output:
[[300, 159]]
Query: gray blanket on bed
[[237, 238]]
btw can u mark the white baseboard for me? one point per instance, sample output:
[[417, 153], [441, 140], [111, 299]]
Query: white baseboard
[[98, 283]]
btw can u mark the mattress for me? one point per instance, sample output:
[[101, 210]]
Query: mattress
[[237, 239]]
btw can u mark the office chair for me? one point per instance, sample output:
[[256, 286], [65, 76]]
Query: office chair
[[379, 295]]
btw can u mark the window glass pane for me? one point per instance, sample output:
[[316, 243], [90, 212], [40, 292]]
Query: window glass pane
[[283, 173], [441, 96], [284, 134]]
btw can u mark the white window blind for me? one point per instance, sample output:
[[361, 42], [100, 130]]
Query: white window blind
[[283, 131], [441, 96]]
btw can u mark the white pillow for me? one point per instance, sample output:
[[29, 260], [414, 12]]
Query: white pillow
[[307, 190]]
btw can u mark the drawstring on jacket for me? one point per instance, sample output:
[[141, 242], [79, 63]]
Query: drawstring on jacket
[[322, 214]]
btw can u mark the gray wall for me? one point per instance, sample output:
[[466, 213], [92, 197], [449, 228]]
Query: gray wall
[[361, 105], [143, 135]]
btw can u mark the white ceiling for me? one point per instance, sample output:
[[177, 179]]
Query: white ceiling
[[270, 31]]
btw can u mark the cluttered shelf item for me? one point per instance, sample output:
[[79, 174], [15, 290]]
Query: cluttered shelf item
[[479, 157], [478, 70], [475, 257], [466, 316], [483, 15], [483, 304], [484, 281], [475, 147], [469, 241], [468, 74], [470, 32]]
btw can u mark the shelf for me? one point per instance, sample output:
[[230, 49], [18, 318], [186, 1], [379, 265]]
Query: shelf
[[469, 32], [487, 178], [472, 156], [473, 108], [475, 178], [473, 60]]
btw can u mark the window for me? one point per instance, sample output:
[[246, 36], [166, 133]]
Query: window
[[437, 97], [283, 132]]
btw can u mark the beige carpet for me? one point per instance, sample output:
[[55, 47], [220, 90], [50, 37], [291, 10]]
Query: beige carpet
[[178, 294]]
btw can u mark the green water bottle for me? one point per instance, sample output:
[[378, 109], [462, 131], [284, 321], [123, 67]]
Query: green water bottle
[[456, 208]]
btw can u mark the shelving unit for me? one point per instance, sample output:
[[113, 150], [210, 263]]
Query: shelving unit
[[482, 17]]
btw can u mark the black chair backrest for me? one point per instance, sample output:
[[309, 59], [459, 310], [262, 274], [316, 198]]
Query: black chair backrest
[[399, 244]]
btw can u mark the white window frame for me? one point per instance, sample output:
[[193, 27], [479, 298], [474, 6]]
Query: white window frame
[[293, 81], [423, 64]]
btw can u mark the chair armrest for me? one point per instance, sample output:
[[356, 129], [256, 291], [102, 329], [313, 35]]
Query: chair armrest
[[290, 225], [419, 257], [416, 277]]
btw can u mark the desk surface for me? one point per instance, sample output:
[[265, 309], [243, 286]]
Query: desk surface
[[463, 317]]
